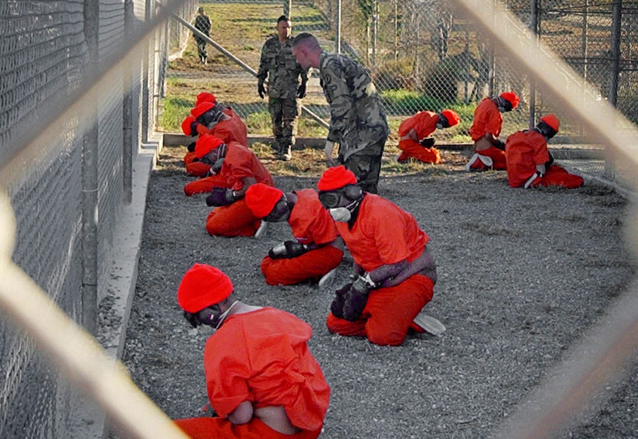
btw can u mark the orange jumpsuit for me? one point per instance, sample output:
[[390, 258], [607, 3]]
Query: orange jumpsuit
[[424, 123], [232, 130], [261, 356], [385, 234], [235, 219], [487, 119], [525, 150], [310, 224]]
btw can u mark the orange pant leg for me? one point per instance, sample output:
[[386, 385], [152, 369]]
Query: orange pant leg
[[189, 157], [233, 220], [311, 265], [412, 149], [197, 169], [558, 176], [498, 157], [221, 428], [389, 312], [204, 185]]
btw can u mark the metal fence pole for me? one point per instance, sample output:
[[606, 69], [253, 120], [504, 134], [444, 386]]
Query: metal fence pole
[[90, 177], [616, 19], [535, 28], [338, 27], [146, 65], [491, 59], [127, 111], [288, 8]]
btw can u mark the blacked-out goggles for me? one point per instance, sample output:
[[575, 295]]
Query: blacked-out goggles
[[279, 211]]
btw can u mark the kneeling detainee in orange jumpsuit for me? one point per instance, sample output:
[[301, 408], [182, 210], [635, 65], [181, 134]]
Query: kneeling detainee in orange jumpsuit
[[217, 120], [395, 272], [262, 380], [414, 131], [485, 129], [313, 254], [529, 163], [239, 169]]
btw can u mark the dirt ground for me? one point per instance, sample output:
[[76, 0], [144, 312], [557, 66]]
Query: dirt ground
[[522, 273]]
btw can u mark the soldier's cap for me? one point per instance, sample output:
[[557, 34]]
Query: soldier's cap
[[203, 286], [261, 199], [552, 121], [451, 116], [201, 108], [206, 144], [511, 97], [205, 97], [186, 125], [336, 178]]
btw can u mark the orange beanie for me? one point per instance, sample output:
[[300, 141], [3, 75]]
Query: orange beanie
[[261, 199], [511, 97], [205, 97], [451, 117], [186, 125], [201, 109], [206, 144], [552, 121], [202, 286], [336, 178]]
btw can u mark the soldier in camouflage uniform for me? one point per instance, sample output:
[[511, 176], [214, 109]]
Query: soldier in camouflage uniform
[[357, 117], [284, 90], [202, 24]]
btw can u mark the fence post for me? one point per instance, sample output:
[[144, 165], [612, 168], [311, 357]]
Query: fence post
[[288, 8], [90, 176], [616, 19], [535, 28], [338, 27], [146, 65], [490, 75], [127, 110]]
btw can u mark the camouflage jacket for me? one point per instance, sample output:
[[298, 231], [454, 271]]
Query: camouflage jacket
[[281, 67], [202, 24], [357, 116]]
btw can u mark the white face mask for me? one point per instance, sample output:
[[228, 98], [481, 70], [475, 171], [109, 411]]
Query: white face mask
[[341, 214]]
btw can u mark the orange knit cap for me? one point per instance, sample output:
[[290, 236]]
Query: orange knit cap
[[203, 286], [261, 199], [206, 144], [201, 109], [511, 97], [205, 97], [336, 178], [451, 117], [186, 125], [552, 121]]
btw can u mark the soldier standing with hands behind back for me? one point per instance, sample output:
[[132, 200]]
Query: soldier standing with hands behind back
[[202, 24], [279, 65]]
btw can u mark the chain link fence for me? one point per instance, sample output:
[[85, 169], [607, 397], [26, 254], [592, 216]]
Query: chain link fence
[[66, 208], [423, 55]]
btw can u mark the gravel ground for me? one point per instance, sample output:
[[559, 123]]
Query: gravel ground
[[522, 273]]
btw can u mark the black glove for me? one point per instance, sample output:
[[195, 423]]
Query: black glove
[[499, 144], [354, 302], [191, 318], [191, 147], [336, 308], [260, 89], [428, 142], [301, 91], [287, 250], [221, 197]]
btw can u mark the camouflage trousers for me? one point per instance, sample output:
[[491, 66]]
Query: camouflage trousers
[[284, 114], [201, 49], [366, 165]]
